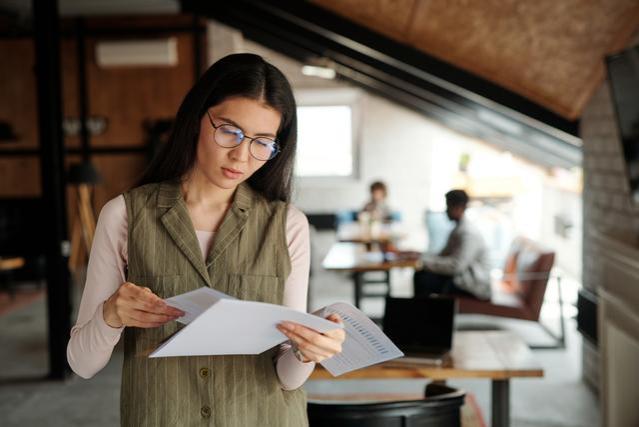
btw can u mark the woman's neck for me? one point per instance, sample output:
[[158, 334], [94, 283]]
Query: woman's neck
[[199, 191]]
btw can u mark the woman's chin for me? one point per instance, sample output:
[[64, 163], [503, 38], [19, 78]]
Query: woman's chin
[[226, 183]]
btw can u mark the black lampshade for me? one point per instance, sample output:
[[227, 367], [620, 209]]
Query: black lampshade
[[83, 173]]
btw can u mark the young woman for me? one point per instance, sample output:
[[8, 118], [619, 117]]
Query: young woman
[[211, 210]]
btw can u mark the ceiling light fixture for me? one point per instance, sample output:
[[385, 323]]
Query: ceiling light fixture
[[320, 67]]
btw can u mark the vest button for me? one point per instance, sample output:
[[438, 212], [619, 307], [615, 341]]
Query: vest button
[[204, 372], [205, 411]]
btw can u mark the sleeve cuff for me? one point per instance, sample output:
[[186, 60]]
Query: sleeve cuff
[[109, 333], [288, 357]]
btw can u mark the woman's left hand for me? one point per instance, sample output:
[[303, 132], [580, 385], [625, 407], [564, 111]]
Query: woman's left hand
[[313, 345]]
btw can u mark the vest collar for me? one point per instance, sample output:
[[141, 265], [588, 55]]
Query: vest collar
[[171, 193], [178, 224]]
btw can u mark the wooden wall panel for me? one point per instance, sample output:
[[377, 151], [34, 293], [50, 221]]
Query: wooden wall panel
[[128, 96], [18, 91], [119, 173], [20, 177]]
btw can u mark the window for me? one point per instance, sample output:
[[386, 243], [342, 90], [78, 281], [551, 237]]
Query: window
[[325, 141]]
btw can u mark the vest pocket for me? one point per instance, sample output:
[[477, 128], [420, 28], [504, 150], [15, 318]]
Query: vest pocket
[[164, 286], [255, 288]]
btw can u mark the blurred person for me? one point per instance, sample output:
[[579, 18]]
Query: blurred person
[[462, 267], [377, 207]]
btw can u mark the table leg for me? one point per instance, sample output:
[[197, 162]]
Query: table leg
[[388, 284], [501, 403], [357, 281]]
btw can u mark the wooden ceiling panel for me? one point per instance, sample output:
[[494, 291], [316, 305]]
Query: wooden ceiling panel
[[548, 51], [389, 17]]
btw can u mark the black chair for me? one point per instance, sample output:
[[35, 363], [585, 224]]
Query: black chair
[[440, 408]]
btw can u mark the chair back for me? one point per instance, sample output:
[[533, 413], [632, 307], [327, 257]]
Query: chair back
[[526, 272], [439, 408], [345, 216]]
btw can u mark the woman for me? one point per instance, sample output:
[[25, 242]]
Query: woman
[[211, 210]]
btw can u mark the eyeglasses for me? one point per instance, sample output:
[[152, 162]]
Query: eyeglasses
[[229, 136]]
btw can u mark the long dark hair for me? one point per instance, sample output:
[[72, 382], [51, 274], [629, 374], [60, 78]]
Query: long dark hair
[[244, 75]]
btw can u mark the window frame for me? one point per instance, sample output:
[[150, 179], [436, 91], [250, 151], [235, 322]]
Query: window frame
[[349, 97]]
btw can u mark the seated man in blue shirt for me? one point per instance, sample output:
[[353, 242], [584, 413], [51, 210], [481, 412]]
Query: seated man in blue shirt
[[462, 267]]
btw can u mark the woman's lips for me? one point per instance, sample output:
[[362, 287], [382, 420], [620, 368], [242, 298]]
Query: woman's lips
[[232, 173]]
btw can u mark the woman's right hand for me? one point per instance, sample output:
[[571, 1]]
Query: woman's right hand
[[137, 306]]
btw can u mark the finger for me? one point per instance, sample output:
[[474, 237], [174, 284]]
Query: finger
[[148, 301], [337, 334], [309, 350], [328, 340], [174, 311], [148, 295], [149, 318], [157, 308], [129, 320], [334, 317], [313, 340]]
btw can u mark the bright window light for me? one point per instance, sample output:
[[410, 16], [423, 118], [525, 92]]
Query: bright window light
[[325, 141]]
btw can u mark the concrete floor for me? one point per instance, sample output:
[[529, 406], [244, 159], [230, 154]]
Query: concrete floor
[[560, 399]]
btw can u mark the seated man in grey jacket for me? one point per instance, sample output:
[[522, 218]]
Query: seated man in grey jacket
[[462, 267]]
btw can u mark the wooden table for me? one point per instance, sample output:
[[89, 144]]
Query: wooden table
[[495, 355], [353, 258], [7, 265]]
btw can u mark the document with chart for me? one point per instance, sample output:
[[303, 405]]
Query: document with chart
[[365, 343], [218, 324]]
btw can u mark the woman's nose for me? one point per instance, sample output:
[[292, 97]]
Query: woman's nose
[[241, 152]]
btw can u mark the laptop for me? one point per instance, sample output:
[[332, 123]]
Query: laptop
[[421, 327]]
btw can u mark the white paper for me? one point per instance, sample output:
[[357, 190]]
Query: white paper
[[365, 343], [195, 302], [218, 324], [231, 326]]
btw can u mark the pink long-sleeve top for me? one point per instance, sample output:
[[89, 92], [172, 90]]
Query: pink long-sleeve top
[[92, 339]]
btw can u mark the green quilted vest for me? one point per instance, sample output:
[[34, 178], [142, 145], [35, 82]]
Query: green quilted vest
[[249, 260]]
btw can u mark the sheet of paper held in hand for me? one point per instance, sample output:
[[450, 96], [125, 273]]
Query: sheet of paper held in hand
[[219, 324]]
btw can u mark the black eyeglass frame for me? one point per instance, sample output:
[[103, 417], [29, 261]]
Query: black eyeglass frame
[[276, 145]]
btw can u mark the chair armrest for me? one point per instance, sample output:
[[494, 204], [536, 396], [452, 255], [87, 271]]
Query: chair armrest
[[527, 276]]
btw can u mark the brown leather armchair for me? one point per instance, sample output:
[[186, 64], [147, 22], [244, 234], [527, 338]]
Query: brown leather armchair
[[519, 294]]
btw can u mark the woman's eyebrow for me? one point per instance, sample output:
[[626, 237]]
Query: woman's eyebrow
[[231, 122]]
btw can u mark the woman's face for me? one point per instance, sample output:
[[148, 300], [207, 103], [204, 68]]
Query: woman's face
[[228, 167]]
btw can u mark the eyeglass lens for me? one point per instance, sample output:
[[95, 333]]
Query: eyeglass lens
[[230, 136]]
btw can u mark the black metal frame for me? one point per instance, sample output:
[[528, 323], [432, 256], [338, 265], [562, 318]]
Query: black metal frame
[[359, 282], [560, 339], [49, 82], [47, 35]]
